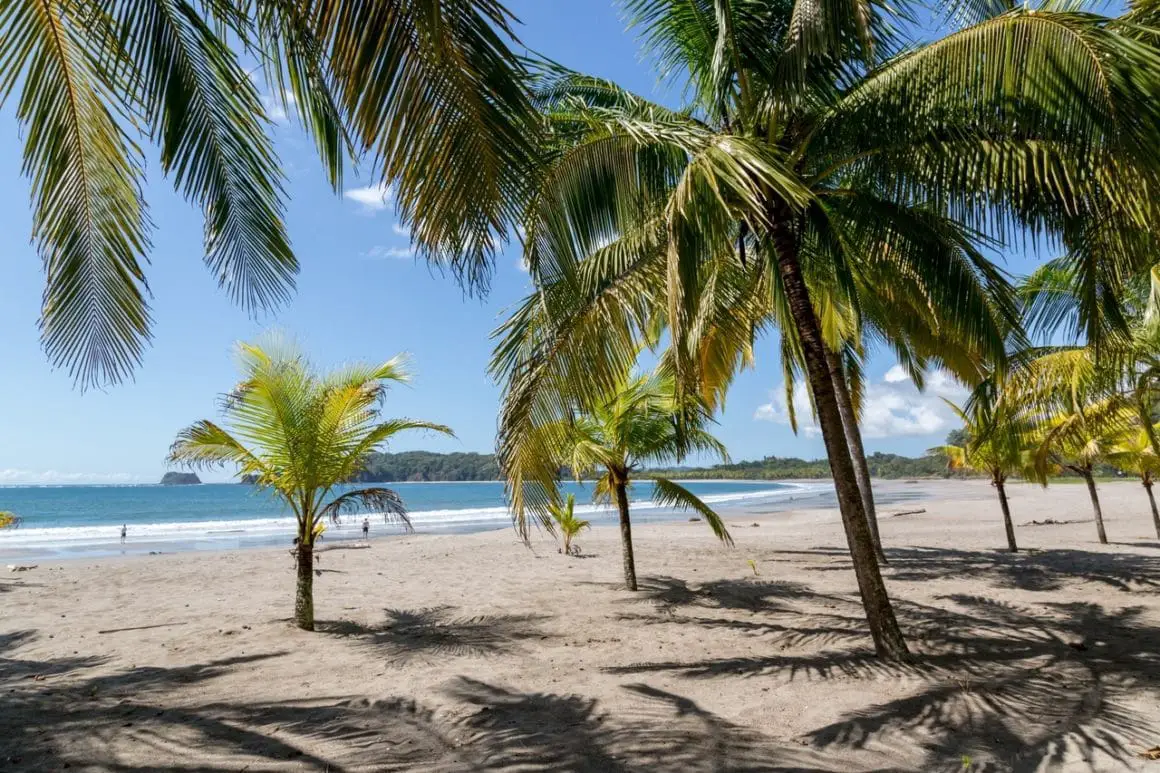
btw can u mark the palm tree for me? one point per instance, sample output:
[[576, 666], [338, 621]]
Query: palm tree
[[9, 520], [1080, 440], [426, 90], [1134, 453], [816, 151], [639, 423], [303, 434], [566, 521], [997, 444]]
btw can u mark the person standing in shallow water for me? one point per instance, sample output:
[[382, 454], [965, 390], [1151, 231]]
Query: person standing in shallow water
[[366, 528], [124, 532]]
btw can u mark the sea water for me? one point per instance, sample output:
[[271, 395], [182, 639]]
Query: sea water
[[64, 521]]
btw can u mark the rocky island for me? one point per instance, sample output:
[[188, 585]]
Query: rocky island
[[180, 479]]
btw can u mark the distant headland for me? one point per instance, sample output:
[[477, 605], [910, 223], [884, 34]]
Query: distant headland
[[180, 479]]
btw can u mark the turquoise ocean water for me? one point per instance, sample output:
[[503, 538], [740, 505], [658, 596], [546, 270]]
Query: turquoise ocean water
[[63, 521]]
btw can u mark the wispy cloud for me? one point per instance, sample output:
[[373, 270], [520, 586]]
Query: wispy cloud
[[56, 477], [382, 252], [373, 198], [893, 407], [400, 230], [276, 108]]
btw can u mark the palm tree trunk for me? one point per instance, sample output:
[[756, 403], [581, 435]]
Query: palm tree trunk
[[304, 599], [888, 640], [1091, 487], [1010, 527], [1155, 512], [621, 493], [857, 451]]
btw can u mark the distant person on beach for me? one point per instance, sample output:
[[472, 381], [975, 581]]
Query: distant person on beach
[[366, 528], [124, 533]]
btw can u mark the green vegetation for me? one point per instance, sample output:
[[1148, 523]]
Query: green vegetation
[[834, 181], [882, 466], [425, 465], [422, 91], [996, 443], [9, 520], [569, 525], [638, 422], [302, 433]]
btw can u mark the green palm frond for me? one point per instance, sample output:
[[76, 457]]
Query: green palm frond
[[378, 501], [89, 221], [667, 493], [205, 114]]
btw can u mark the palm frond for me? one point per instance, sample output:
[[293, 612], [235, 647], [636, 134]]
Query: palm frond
[[667, 493], [375, 501]]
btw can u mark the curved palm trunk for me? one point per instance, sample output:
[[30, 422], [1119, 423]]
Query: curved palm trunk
[[304, 597], [888, 640], [1091, 487], [857, 450], [620, 490], [1152, 501], [999, 482]]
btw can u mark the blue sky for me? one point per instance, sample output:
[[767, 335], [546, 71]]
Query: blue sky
[[360, 296]]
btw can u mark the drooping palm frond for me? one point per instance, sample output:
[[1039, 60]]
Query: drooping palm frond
[[433, 91], [667, 493], [375, 501], [205, 113], [89, 221]]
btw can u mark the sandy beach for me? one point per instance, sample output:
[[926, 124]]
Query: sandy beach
[[470, 652]]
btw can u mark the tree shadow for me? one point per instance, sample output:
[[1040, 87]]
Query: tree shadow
[[1012, 687], [432, 631], [1040, 570], [668, 594]]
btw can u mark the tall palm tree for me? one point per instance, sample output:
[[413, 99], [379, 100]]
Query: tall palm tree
[[817, 151], [636, 425], [303, 434], [997, 444], [1134, 453], [426, 90]]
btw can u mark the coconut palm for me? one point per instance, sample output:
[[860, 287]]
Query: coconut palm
[[426, 90], [9, 520], [815, 150], [1080, 440], [1134, 453], [997, 444], [566, 521], [303, 434], [637, 424]]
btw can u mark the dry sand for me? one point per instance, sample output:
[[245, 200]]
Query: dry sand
[[465, 653]]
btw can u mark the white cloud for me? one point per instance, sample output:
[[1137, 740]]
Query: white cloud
[[890, 408], [400, 230], [381, 252], [373, 198], [275, 108], [55, 477]]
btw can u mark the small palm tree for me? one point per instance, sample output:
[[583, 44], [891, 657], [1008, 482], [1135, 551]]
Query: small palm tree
[[1133, 453], [567, 522], [637, 424], [996, 444], [303, 434], [1080, 440], [9, 520]]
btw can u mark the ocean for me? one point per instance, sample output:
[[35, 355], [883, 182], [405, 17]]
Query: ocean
[[80, 521]]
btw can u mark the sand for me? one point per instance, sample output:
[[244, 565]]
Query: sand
[[466, 653]]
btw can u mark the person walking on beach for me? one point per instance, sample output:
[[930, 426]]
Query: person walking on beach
[[124, 532], [366, 528]]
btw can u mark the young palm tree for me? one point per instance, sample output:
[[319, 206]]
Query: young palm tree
[[429, 90], [566, 521], [997, 444], [815, 152], [1080, 440], [637, 424], [1134, 453], [303, 434], [9, 520]]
